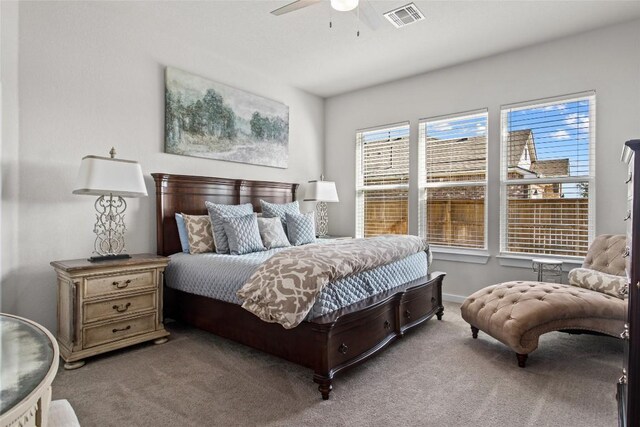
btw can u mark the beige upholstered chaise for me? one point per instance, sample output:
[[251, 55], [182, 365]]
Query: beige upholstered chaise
[[517, 313]]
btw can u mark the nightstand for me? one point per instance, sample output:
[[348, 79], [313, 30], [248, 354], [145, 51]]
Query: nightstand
[[103, 306], [329, 237]]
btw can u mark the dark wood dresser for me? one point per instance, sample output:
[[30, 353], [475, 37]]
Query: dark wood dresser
[[628, 393]]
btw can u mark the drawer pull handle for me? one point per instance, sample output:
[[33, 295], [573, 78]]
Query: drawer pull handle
[[122, 307], [114, 330], [628, 216], [626, 252], [387, 324], [433, 300], [407, 314], [629, 178], [343, 348], [121, 285]]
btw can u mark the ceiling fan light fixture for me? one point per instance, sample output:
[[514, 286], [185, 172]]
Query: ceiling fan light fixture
[[344, 5]]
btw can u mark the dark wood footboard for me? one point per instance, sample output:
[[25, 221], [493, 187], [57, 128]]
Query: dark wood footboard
[[327, 344]]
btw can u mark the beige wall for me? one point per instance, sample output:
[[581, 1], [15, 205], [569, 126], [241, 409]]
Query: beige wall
[[91, 77], [606, 60]]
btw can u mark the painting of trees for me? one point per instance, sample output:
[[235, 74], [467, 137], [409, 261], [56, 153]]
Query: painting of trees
[[267, 127], [208, 119]]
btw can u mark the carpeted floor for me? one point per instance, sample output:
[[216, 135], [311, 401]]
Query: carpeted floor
[[435, 376]]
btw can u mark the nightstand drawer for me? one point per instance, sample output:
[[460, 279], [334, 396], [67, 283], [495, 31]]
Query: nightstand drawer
[[118, 307], [114, 331], [107, 285]]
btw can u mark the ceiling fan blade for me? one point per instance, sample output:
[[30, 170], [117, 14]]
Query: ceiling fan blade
[[292, 7], [369, 16]]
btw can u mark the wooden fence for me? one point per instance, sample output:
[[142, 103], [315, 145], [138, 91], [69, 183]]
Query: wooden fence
[[456, 223], [548, 226], [542, 226], [385, 217]]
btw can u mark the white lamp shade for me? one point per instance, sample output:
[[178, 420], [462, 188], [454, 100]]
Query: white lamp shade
[[321, 191], [344, 5], [101, 176]]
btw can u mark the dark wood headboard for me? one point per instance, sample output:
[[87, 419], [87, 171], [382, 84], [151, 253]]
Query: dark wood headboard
[[187, 194]]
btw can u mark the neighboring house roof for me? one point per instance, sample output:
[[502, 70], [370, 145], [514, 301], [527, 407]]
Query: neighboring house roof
[[468, 154], [556, 167], [518, 139]]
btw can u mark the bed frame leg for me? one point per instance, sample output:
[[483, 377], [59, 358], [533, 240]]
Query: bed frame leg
[[440, 312], [474, 332], [324, 385], [522, 359]]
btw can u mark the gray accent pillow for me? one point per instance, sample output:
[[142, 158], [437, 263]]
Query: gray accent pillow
[[243, 234], [218, 213], [301, 228], [275, 210], [272, 233]]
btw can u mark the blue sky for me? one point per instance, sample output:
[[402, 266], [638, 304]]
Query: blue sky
[[561, 131]]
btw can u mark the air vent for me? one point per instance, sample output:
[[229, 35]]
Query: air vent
[[404, 15]]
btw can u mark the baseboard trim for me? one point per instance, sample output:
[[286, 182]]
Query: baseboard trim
[[453, 298]]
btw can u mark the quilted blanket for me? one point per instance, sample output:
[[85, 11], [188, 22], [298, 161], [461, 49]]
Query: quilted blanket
[[285, 287]]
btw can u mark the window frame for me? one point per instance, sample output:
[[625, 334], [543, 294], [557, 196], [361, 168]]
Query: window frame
[[505, 182], [361, 188], [423, 185]]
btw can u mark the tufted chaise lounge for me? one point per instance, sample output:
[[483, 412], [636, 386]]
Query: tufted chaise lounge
[[517, 313]]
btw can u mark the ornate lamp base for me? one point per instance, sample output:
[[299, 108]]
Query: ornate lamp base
[[322, 219], [109, 228]]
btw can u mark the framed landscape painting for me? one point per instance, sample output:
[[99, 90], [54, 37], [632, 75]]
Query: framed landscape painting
[[215, 121]]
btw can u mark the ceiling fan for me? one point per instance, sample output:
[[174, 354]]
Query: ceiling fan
[[367, 13]]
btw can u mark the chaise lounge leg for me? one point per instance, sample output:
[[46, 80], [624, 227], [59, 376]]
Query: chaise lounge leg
[[522, 359], [474, 332], [324, 385]]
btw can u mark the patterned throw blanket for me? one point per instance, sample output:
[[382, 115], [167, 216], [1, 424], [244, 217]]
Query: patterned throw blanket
[[285, 287]]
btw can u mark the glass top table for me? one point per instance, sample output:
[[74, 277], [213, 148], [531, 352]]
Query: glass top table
[[28, 358]]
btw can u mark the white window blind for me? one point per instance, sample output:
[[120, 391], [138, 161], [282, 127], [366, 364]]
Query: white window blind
[[547, 176], [453, 180], [382, 180]]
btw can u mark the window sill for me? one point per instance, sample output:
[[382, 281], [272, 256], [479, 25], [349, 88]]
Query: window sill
[[460, 255], [525, 261]]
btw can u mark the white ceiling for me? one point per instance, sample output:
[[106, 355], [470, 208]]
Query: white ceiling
[[304, 52]]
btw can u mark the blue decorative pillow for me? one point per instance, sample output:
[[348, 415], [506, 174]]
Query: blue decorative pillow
[[243, 234], [182, 233], [274, 210], [218, 213], [301, 228]]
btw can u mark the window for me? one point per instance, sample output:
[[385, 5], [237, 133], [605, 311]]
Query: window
[[382, 181], [547, 176], [453, 180]]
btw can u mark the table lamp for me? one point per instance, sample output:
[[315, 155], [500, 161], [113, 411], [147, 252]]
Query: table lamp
[[322, 192], [112, 179]]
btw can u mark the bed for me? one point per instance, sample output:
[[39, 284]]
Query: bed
[[327, 342]]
